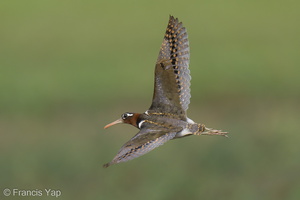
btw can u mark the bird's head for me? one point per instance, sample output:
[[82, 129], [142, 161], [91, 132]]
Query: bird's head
[[127, 118]]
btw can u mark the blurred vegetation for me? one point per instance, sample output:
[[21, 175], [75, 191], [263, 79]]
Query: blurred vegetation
[[67, 68]]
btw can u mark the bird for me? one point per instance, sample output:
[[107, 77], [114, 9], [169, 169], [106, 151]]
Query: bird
[[166, 119]]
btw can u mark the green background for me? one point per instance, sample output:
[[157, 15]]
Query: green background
[[70, 67]]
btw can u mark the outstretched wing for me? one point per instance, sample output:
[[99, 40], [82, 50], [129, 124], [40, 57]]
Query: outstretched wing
[[143, 142], [172, 75]]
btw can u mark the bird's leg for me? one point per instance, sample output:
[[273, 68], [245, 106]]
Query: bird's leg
[[202, 130], [210, 131]]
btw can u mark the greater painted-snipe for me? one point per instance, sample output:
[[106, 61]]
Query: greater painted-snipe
[[166, 118]]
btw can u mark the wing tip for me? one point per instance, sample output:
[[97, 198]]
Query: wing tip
[[173, 19], [107, 165]]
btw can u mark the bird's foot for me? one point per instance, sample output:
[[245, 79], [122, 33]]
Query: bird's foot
[[210, 131]]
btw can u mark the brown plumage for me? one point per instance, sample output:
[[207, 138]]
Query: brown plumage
[[166, 118]]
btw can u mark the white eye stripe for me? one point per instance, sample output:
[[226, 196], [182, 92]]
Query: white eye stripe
[[125, 115]]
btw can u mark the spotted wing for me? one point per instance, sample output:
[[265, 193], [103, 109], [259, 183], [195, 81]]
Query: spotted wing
[[143, 142], [172, 75]]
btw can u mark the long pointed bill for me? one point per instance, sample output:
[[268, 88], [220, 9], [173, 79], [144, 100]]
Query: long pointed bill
[[118, 121]]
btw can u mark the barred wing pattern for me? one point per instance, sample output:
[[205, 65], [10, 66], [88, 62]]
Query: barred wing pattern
[[143, 142], [172, 75]]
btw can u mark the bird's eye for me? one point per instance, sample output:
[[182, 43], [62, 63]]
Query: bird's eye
[[126, 115]]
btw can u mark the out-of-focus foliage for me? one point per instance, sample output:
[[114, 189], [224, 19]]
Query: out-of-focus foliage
[[69, 67]]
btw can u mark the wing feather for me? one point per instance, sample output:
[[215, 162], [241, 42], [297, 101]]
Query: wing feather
[[143, 142], [172, 75]]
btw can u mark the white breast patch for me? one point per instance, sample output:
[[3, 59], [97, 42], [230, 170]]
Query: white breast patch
[[140, 123]]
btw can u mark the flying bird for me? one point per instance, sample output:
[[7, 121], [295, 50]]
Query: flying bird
[[166, 118]]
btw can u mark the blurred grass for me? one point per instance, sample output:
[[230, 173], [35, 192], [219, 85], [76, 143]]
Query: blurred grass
[[68, 68]]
